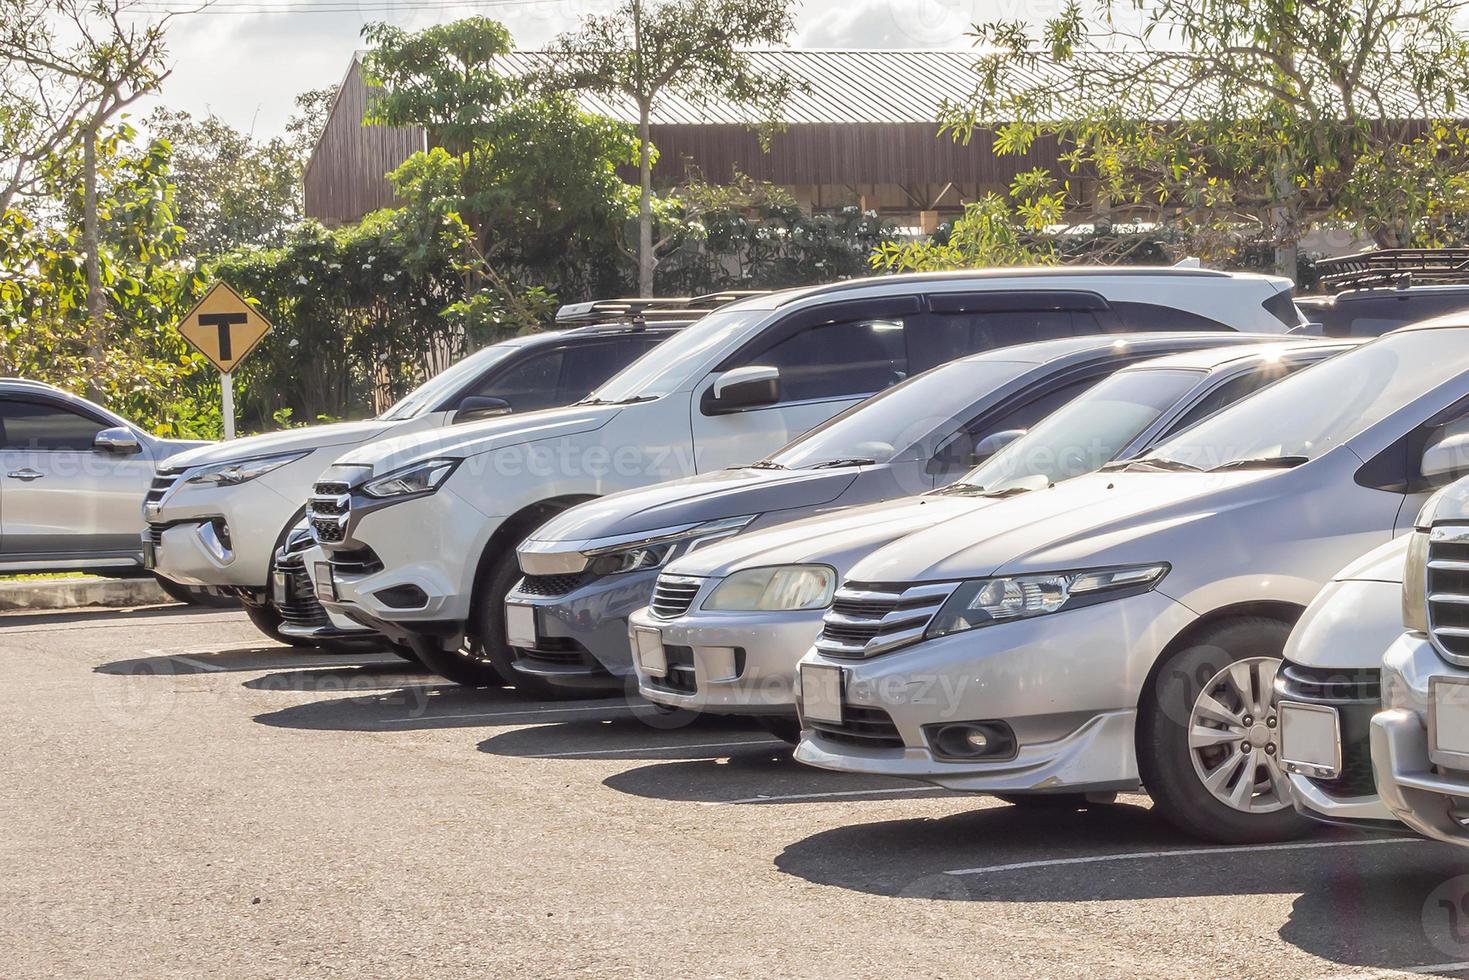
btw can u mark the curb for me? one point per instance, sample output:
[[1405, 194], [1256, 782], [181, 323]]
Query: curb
[[76, 593]]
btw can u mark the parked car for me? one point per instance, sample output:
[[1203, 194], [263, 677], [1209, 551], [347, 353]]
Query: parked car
[[1370, 293], [1420, 738], [1123, 629], [422, 530], [74, 478], [719, 658], [1328, 689], [216, 516]]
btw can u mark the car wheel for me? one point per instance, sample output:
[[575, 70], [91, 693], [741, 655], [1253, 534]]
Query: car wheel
[[1207, 737], [464, 666], [787, 728], [487, 635], [193, 596], [268, 621], [1046, 801]]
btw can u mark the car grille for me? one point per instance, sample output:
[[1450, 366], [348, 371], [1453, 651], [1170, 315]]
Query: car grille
[[548, 586], [1356, 694], [680, 678], [163, 481], [673, 595], [861, 725], [1448, 591], [328, 510], [155, 534], [301, 607], [865, 619]]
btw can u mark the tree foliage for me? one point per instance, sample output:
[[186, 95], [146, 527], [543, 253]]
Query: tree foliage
[[1239, 119]]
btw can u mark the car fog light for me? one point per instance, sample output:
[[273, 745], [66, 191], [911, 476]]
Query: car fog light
[[972, 740]]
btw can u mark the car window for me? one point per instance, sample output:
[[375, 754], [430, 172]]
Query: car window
[[1233, 390], [37, 426], [431, 394], [960, 456], [1150, 316], [530, 385], [585, 366], [944, 336], [837, 360]]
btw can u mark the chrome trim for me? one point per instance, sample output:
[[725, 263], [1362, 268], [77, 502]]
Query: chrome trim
[[900, 619]]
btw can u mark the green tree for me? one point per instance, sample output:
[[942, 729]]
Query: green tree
[[688, 49], [1234, 120]]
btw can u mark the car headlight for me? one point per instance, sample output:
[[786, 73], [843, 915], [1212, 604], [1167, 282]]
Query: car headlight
[[242, 470], [777, 587], [655, 550], [1415, 583], [425, 477], [986, 601]]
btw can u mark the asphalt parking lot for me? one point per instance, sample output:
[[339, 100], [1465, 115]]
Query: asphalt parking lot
[[183, 798]]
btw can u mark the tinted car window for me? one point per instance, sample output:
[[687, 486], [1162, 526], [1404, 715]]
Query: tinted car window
[[585, 366], [1232, 391], [1150, 316], [942, 337], [529, 385], [1372, 315], [45, 427], [836, 360]]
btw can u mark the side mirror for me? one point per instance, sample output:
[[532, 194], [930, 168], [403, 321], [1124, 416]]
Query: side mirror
[[994, 442], [742, 388], [1447, 457], [480, 407], [118, 441]]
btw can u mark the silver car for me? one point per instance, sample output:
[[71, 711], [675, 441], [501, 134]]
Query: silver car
[[73, 478], [589, 568]]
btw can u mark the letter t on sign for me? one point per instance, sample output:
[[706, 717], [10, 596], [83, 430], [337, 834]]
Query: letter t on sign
[[223, 322]]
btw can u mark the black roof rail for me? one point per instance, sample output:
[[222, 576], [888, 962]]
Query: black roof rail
[[650, 309], [1395, 267]]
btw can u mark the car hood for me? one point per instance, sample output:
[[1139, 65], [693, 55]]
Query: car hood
[[1099, 519], [285, 441], [1381, 564], [838, 539], [474, 438], [695, 500]]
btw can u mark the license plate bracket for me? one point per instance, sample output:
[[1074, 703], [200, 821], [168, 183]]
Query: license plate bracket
[[1310, 739], [520, 626], [326, 584], [821, 693], [651, 655], [1448, 722]]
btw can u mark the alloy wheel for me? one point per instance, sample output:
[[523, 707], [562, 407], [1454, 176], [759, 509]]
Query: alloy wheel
[[1234, 740]]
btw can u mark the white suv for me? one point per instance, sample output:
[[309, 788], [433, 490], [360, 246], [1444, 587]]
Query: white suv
[[422, 530]]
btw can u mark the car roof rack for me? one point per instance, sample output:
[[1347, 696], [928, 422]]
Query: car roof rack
[[653, 309], [1395, 267]]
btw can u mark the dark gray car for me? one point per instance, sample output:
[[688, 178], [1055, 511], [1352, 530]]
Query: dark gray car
[[72, 481], [591, 567]]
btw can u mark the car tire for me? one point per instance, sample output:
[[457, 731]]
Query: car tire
[[1223, 659], [787, 728], [193, 596], [268, 621], [463, 666], [1046, 801]]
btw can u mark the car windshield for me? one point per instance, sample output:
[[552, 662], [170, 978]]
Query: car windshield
[[1311, 412], [427, 396], [886, 424], [661, 370], [1085, 433]]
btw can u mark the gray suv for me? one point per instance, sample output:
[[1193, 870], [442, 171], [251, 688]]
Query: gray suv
[[73, 477]]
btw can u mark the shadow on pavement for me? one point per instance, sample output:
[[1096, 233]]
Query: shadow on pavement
[[263, 656], [635, 733], [756, 779], [1365, 901], [430, 705]]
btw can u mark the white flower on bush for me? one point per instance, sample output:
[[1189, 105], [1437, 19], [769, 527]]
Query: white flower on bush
[[301, 280]]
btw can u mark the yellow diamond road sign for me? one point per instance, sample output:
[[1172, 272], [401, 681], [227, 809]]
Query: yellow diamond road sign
[[223, 327]]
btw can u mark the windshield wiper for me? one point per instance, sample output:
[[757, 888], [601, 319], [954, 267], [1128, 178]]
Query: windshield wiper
[[960, 489], [616, 401], [1263, 463], [764, 464], [832, 464], [1177, 465]]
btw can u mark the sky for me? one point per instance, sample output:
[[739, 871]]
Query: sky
[[246, 66]]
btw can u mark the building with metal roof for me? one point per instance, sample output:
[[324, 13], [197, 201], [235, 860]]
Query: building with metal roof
[[862, 130]]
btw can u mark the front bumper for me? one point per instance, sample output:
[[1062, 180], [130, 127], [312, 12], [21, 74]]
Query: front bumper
[[428, 549], [293, 593], [581, 626], [1430, 798], [737, 663], [1066, 686]]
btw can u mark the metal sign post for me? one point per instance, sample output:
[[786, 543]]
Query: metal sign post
[[225, 329]]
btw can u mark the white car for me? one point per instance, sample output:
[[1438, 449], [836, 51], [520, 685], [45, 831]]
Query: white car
[[1420, 738], [1123, 629], [422, 530], [710, 656], [1327, 689], [215, 516]]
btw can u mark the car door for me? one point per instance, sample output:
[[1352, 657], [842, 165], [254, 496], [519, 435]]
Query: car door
[[62, 498], [828, 358]]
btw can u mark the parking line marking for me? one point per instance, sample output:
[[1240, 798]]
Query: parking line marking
[[659, 748], [1182, 852], [194, 663], [823, 796], [503, 714]]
